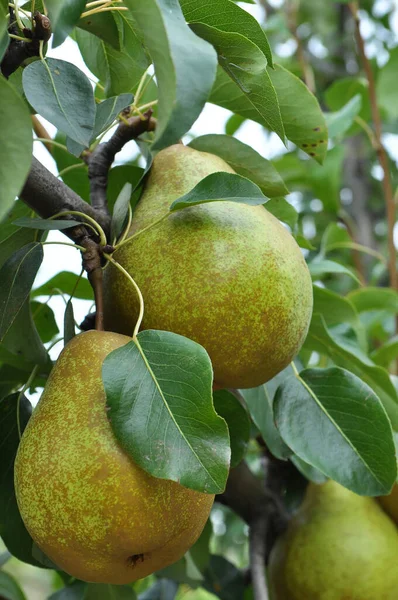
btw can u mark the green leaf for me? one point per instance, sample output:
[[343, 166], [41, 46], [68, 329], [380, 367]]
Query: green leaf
[[260, 408], [221, 186], [184, 78], [385, 91], [12, 530], [259, 103], [374, 298], [283, 210], [319, 267], [182, 571], [244, 160], [9, 588], [69, 323], [44, 319], [103, 26], [93, 51], [308, 471], [65, 282], [77, 177], [106, 591], [120, 211], [75, 591], [227, 17], [233, 124], [17, 276], [45, 224], [16, 145], [186, 440], [163, 589], [118, 177], [67, 19], [4, 557], [335, 422], [339, 122], [63, 95], [12, 238], [320, 339], [342, 91], [224, 580], [325, 180], [302, 117], [335, 309], [388, 352], [229, 408]]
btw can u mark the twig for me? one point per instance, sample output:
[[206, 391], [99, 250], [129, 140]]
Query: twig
[[42, 133], [257, 551], [380, 149], [18, 51], [101, 159], [308, 74]]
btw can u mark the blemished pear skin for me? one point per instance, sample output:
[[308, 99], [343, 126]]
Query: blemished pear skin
[[390, 504], [339, 546], [86, 504], [226, 275]]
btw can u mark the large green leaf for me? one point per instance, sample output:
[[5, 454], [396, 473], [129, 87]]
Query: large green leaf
[[244, 160], [229, 408], [221, 186], [65, 282], [9, 588], [63, 95], [17, 276], [226, 16], [15, 147], [22, 346], [320, 339], [177, 435], [184, 65], [103, 26], [336, 423], [340, 121], [374, 298], [67, 18], [283, 210]]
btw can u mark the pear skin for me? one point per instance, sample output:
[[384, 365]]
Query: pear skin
[[390, 504], [224, 274], [86, 504], [339, 546]]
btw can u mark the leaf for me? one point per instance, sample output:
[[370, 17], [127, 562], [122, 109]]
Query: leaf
[[309, 472], [319, 267], [320, 340], [339, 122], [374, 298], [120, 211], [233, 124], [106, 591], [182, 571], [9, 588], [385, 354], [221, 186], [12, 238], [227, 17], [229, 408], [244, 160], [260, 409], [177, 435], [63, 95], [325, 180], [184, 77], [65, 282], [118, 177], [163, 589], [45, 224], [224, 580], [16, 145], [17, 276], [302, 117], [67, 19], [69, 323], [44, 320], [342, 91], [4, 557], [283, 210], [108, 110], [335, 422], [385, 96], [103, 26], [75, 591], [12, 530], [336, 309], [259, 103]]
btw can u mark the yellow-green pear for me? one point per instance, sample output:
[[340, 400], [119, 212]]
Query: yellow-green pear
[[390, 504], [86, 504], [225, 274], [339, 546]]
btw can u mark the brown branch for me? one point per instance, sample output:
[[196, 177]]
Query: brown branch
[[42, 133], [257, 552], [380, 149], [18, 51], [101, 159]]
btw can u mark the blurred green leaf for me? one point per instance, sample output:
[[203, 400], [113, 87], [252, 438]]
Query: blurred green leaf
[[229, 408]]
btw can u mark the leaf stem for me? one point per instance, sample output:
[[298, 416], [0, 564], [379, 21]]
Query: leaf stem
[[97, 228], [132, 237], [95, 11], [65, 244], [71, 168], [137, 289]]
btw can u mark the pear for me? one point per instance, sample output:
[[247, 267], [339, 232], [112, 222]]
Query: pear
[[224, 274], [339, 546], [390, 504], [86, 504]]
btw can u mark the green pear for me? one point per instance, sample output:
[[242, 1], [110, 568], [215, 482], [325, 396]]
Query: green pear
[[339, 546], [86, 504], [225, 274]]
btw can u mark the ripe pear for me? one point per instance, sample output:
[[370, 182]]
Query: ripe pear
[[390, 504], [225, 274], [86, 504], [339, 546]]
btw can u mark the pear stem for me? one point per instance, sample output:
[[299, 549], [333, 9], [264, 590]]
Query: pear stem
[[137, 289]]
